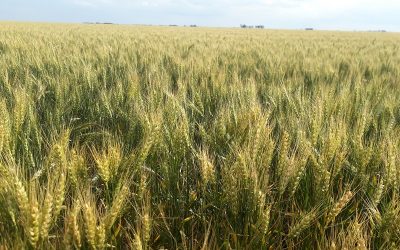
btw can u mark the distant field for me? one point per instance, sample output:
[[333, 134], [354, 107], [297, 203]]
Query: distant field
[[133, 137]]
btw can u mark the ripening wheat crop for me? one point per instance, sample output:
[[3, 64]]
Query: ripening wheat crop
[[134, 137]]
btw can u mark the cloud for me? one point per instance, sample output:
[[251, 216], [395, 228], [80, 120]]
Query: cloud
[[121, 3], [92, 3], [348, 14], [300, 6]]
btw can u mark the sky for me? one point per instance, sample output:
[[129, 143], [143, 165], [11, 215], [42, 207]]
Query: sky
[[277, 14]]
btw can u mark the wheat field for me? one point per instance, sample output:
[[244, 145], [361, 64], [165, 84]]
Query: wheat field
[[138, 137]]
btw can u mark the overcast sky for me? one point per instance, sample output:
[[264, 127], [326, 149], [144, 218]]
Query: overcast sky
[[288, 14]]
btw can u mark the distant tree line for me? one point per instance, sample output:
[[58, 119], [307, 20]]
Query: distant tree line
[[175, 25], [244, 26], [97, 23]]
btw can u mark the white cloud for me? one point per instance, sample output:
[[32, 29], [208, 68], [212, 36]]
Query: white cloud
[[305, 5], [343, 14], [120, 2], [272, 13], [92, 3]]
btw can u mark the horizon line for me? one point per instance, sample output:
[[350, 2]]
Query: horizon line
[[249, 26]]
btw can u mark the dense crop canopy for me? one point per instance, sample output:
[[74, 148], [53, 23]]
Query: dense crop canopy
[[168, 137]]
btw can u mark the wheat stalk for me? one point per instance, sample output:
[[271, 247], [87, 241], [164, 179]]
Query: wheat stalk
[[46, 215], [90, 224], [339, 206], [301, 225]]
